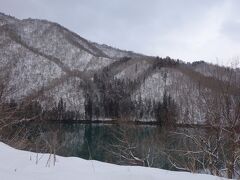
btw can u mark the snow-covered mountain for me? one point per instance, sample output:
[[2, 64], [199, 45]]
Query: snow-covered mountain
[[45, 62]]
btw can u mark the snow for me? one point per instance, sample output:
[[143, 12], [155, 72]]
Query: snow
[[98, 63], [30, 71], [23, 165], [114, 52], [134, 70], [4, 19], [180, 87], [152, 88], [71, 94], [47, 52]]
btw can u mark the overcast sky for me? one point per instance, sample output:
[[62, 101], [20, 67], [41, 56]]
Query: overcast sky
[[186, 29]]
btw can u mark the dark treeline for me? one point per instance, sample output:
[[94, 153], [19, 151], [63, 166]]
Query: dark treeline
[[164, 112]]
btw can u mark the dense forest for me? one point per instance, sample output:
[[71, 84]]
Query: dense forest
[[113, 101]]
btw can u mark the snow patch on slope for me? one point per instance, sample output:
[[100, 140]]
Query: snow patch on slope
[[152, 88], [116, 53], [28, 71], [5, 19], [71, 93], [131, 72], [181, 88]]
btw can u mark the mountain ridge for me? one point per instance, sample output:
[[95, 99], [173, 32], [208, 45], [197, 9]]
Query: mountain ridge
[[45, 62]]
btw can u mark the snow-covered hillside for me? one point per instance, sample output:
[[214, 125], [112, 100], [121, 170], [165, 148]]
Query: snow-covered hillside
[[116, 53], [4, 19], [43, 61], [23, 165]]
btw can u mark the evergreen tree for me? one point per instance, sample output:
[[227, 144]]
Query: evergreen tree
[[165, 112], [61, 108]]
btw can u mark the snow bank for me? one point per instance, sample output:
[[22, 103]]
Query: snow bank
[[23, 165]]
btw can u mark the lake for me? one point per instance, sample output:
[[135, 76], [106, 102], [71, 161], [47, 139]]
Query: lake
[[145, 145]]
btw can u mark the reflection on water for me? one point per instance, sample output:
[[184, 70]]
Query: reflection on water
[[101, 142], [120, 144]]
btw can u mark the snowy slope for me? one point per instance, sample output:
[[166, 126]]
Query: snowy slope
[[133, 71], [180, 87], [4, 19], [38, 55], [116, 53], [23, 165]]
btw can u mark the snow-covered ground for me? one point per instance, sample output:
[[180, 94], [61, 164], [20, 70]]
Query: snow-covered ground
[[23, 165]]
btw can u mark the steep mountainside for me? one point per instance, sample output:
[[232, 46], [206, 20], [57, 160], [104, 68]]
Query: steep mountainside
[[72, 78]]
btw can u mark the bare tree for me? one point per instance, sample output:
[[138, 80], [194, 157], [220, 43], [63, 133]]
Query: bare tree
[[216, 148], [135, 146]]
